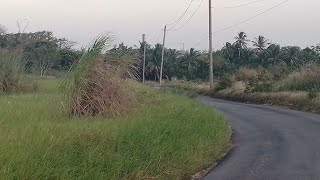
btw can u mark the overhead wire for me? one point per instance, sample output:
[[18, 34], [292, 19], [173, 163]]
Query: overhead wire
[[175, 23], [238, 6], [156, 36], [181, 17], [246, 20], [171, 29]]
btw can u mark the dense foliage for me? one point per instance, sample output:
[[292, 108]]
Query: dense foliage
[[43, 53], [194, 65]]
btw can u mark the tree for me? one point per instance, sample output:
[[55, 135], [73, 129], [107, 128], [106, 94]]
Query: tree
[[260, 44], [171, 64], [272, 54], [66, 58], [316, 49], [41, 55], [228, 51], [241, 42], [190, 63], [3, 30], [154, 64]]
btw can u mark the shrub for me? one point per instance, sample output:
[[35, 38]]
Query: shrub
[[313, 94], [279, 70], [305, 79], [246, 74], [12, 76], [94, 87], [224, 83], [262, 83]]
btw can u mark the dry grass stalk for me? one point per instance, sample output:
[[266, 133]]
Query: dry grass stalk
[[95, 88], [105, 93], [246, 74], [12, 75]]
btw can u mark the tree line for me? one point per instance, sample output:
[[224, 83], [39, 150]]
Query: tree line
[[43, 53], [194, 65]]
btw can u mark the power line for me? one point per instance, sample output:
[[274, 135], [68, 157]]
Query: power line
[[171, 29], [244, 21], [156, 36], [181, 17], [241, 5]]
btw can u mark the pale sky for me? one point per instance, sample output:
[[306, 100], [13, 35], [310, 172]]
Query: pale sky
[[294, 23]]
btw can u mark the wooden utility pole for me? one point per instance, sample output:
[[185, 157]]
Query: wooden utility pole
[[163, 48], [210, 45], [144, 57]]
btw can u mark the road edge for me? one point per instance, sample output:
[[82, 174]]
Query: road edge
[[204, 172]]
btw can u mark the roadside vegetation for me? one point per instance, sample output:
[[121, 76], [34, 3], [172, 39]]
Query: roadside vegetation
[[103, 124], [263, 73], [95, 121], [165, 136], [12, 75]]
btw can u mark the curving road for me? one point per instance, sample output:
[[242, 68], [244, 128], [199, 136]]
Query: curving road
[[270, 143]]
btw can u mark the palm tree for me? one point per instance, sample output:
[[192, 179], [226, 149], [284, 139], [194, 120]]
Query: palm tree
[[153, 65], [272, 54], [229, 51], [190, 62], [171, 65], [260, 44], [241, 41]]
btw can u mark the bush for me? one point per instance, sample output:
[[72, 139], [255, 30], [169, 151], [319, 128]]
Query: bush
[[313, 94], [224, 83], [306, 79], [246, 74], [12, 76], [262, 83], [279, 71], [94, 87]]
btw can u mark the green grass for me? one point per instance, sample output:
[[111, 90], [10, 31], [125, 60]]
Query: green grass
[[166, 137], [298, 85]]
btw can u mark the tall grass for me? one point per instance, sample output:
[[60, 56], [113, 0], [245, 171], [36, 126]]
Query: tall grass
[[246, 74], [12, 76], [167, 137], [305, 79], [95, 87]]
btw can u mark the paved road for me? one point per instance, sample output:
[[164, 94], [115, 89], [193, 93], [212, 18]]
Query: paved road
[[272, 143]]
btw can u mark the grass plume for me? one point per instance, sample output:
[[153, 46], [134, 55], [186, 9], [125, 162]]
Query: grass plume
[[94, 86]]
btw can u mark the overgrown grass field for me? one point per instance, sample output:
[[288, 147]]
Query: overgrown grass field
[[165, 137]]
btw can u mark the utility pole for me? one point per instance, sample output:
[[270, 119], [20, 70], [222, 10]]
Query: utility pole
[[210, 45], [144, 57], [163, 48]]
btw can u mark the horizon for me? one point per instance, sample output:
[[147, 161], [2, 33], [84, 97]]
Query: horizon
[[282, 25]]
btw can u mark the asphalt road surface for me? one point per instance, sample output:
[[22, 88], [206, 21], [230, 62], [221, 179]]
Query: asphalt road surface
[[270, 143]]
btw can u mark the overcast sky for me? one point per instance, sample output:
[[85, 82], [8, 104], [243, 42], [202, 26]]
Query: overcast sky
[[294, 23]]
